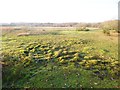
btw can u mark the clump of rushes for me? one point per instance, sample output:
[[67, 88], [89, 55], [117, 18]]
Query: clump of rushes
[[33, 50], [27, 61], [68, 56], [76, 54], [30, 48], [58, 53], [37, 46], [24, 52], [49, 51], [75, 59], [65, 52], [48, 58], [60, 58], [63, 61], [87, 67], [83, 62], [86, 57], [72, 52], [54, 47], [50, 54], [92, 62]]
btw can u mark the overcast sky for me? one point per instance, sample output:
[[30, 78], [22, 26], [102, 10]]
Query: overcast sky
[[58, 10]]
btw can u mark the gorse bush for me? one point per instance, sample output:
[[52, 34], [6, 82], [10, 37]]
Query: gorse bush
[[82, 29], [107, 32]]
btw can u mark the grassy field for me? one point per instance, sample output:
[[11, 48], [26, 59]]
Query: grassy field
[[60, 59]]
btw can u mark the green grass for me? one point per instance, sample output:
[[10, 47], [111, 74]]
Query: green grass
[[60, 59]]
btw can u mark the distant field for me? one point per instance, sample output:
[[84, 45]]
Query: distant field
[[59, 58], [39, 28], [35, 30]]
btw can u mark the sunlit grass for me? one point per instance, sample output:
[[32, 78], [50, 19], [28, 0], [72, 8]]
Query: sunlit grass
[[63, 59]]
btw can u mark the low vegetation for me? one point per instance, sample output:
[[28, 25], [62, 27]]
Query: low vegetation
[[60, 59], [82, 29]]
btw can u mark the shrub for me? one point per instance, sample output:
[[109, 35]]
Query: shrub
[[82, 29], [107, 32]]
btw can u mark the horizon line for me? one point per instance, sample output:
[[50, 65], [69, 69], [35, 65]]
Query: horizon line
[[56, 22]]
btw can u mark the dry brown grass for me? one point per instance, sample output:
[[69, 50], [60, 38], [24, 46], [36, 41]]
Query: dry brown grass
[[23, 34]]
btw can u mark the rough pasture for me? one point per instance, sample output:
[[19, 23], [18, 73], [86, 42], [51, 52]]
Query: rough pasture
[[60, 59]]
